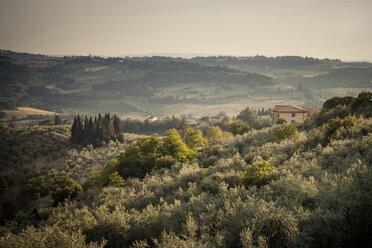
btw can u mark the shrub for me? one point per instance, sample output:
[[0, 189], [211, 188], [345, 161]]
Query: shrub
[[276, 226], [258, 173], [194, 139], [66, 188], [101, 177], [152, 152], [239, 127], [116, 180], [349, 122], [36, 185], [214, 135], [139, 158], [280, 121], [165, 162], [333, 125], [286, 132], [44, 237], [172, 145]]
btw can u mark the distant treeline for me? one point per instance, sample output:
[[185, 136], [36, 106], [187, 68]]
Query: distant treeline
[[96, 131], [149, 127], [263, 111], [259, 60]]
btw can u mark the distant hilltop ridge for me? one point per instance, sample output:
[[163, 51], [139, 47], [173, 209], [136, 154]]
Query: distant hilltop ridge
[[10, 53]]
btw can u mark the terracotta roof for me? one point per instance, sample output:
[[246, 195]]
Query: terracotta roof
[[293, 109], [311, 110]]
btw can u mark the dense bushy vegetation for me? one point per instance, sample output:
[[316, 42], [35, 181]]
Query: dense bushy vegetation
[[60, 186], [334, 125], [39, 150], [246, 191], [250, 117], [239, 127], [148, 153], [345, 106], [31, 158], [286, 132]]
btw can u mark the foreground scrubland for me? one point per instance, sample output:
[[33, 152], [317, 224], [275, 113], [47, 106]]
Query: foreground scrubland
[[253, 190]]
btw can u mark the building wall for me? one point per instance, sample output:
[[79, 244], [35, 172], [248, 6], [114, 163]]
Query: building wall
[[299, 117]]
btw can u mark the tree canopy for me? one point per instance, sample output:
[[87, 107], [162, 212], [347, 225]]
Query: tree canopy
[[250, 117], [239, 127]]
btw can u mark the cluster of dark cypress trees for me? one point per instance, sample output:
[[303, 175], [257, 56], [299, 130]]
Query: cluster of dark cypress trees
[[96, 131]]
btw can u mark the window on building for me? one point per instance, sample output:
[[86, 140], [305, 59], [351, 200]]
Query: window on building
[[293, 114]]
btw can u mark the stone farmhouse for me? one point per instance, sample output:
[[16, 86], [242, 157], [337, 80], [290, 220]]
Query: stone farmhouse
[[291, 113]]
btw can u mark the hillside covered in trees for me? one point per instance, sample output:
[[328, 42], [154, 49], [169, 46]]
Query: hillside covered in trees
[[35, 160], [304, 185], [122, 85], [165, 86]]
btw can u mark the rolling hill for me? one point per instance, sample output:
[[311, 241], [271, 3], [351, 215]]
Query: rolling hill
[[165, 86]]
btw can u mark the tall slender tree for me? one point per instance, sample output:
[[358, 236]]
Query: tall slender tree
[[85, 138], [73, 131], [79, 130]]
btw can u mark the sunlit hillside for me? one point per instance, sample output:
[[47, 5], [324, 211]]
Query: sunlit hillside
[[279, 186]]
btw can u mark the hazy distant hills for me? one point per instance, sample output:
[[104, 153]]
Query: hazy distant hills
[[168, 86], [344, 77], [282, 66]]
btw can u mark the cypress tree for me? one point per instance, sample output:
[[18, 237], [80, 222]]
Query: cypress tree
[[73, 131], [79, 130], [103, 130], [91, 131], [85, 140], [110, 131], [100, 128], [97, 134], [118, 126], [119, 129]]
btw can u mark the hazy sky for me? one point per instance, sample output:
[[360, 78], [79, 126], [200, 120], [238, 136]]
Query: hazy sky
[[318, 28]]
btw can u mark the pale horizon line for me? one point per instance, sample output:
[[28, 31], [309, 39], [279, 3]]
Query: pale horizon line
[[183, 55]]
